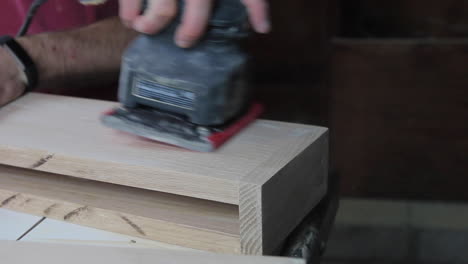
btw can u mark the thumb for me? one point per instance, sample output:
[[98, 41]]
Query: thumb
[[10, 90]]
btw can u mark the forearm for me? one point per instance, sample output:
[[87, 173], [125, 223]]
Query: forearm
[[83, 57]]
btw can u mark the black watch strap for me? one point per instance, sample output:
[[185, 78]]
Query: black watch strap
[[24, 60]]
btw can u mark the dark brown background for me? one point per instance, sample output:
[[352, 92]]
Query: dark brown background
[[390, 79]]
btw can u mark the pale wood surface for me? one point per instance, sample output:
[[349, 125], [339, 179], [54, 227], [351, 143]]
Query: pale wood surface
[[13, 224], [29, 228], [261, 183], [271, 207], [63, 135], [47, 253], [168, 218], [53, 231], [287, 199]]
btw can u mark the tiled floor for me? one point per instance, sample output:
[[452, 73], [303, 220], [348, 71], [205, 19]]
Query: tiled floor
[[372, 231]]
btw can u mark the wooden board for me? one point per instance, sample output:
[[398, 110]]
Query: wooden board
[[168, 218], [54, 231], [39, 253], [269, 169]]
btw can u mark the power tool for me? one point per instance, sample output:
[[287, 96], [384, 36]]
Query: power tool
[[195, 98]]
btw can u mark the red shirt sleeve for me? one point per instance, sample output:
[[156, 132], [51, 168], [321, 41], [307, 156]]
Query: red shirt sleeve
[[54, 15], [58, 15]]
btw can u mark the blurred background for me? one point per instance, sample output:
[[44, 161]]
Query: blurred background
[[390, 79]]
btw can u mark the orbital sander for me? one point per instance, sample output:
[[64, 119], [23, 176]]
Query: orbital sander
[[195, 98]]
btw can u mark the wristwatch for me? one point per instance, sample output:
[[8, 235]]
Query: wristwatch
[[24, 61]]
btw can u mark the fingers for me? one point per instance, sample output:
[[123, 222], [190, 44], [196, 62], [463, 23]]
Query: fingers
[[158, 15], [129, 11], [194, 22], [258, 15], [195, 17], [9, 91]]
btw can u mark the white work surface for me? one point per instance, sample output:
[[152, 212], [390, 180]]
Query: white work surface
[[24, 227], [14, 225]]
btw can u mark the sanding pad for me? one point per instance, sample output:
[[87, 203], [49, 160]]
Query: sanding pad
[[175, 130]]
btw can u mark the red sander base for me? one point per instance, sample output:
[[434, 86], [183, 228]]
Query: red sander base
[[173, 130]]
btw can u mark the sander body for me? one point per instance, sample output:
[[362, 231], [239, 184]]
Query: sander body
[[195, 98]]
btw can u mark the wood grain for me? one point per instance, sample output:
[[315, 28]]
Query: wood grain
[[232, 195], [168, 218], [286, 200], [271, 207], [45, 253], [55, 231], [250, 218], [68, 139]]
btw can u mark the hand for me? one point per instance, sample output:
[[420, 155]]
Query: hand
[[11, 85], [194, 20]]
